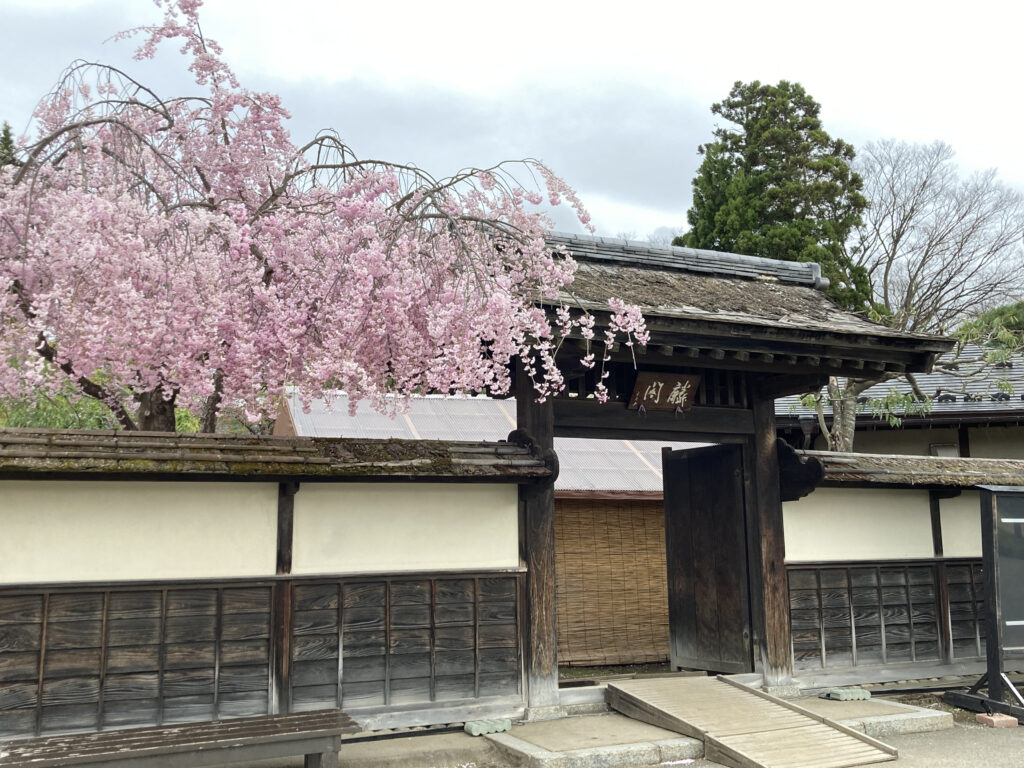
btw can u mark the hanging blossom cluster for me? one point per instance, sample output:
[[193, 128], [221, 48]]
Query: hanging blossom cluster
[[187, 247]]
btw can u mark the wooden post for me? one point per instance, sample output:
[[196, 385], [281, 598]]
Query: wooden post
[[773, 587], [993, 612], [538, 504], [281, 631], [941, 577], [285, 525]]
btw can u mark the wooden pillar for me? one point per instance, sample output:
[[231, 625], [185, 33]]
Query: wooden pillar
[[281, 631], [537, 502], [993, 608], [773, 588]]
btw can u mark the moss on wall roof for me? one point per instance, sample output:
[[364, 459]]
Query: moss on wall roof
[[877, 469], [65, 453]]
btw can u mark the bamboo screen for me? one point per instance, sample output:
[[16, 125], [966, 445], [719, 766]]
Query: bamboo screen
[[612, 591]]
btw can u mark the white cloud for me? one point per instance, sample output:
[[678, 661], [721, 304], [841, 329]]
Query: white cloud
[[613, 97]]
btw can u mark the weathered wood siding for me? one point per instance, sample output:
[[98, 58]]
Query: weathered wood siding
[[107, 656], [886, 613], [100, 658], [363, 527], [404, 642]]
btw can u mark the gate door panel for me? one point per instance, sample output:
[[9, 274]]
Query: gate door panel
[[708, 591]]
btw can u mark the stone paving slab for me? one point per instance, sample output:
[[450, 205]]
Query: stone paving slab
[[597, 741], [879, 718], [610, 740], [613, 740], [582, 732]]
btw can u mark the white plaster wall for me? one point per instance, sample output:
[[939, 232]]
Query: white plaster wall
[[913, 442], [365, 527], [109, 531], [961, 525], [858, 524], [997, 442]]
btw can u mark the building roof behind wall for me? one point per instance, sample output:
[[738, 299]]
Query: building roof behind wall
[[29, 453], [866, 469], [591, 467], [973, 393]]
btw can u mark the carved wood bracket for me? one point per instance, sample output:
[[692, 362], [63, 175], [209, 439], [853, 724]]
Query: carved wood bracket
[[798, 476]]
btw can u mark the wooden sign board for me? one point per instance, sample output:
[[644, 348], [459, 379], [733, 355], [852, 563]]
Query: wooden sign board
[[664, 391]]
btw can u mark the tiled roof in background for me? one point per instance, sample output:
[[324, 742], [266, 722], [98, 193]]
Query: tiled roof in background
[[999, 388], [624, 466], [637, 253]]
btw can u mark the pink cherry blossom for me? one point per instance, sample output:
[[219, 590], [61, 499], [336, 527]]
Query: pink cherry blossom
[[186, 248]]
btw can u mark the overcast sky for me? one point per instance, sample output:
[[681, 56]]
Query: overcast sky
[[615, 97]]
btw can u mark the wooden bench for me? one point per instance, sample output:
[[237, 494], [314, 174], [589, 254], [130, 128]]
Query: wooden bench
[[317, 735]]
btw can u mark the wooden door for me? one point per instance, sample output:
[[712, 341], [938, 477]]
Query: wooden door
[[706, 558]]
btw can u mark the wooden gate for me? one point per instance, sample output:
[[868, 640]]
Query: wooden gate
[[706, 555]]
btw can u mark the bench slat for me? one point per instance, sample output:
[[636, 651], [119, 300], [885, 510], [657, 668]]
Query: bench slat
[[322, 746], [175, 739]]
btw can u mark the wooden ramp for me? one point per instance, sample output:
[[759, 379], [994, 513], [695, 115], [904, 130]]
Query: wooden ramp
[[745, 728]]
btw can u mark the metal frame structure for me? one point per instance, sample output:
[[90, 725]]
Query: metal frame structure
[[995, 681]]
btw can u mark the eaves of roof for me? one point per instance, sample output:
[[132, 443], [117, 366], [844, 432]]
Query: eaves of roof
[[761, 311]]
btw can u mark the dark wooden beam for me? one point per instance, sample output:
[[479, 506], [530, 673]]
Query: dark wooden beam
[[537, 501], [964, 441], [993, 607], [281, 627], [774, 587], [285, 525], [653, 435], [941, 579], [281, 648], [605, 420], [734, 355], [793, 384]]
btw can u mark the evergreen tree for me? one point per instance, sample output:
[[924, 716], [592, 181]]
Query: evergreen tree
[[775, 184], [6, 145]]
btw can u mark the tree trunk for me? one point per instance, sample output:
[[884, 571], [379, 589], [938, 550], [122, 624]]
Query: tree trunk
[[844, 411], [156, 414], [208, 417]]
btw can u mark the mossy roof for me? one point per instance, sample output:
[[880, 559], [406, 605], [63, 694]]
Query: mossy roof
[[142, 455], [730, 301], [924, 471]]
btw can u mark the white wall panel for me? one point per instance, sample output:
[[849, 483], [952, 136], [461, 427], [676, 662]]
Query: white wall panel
[[858, 524], [110, 530], [961, 525], [393, 527]]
